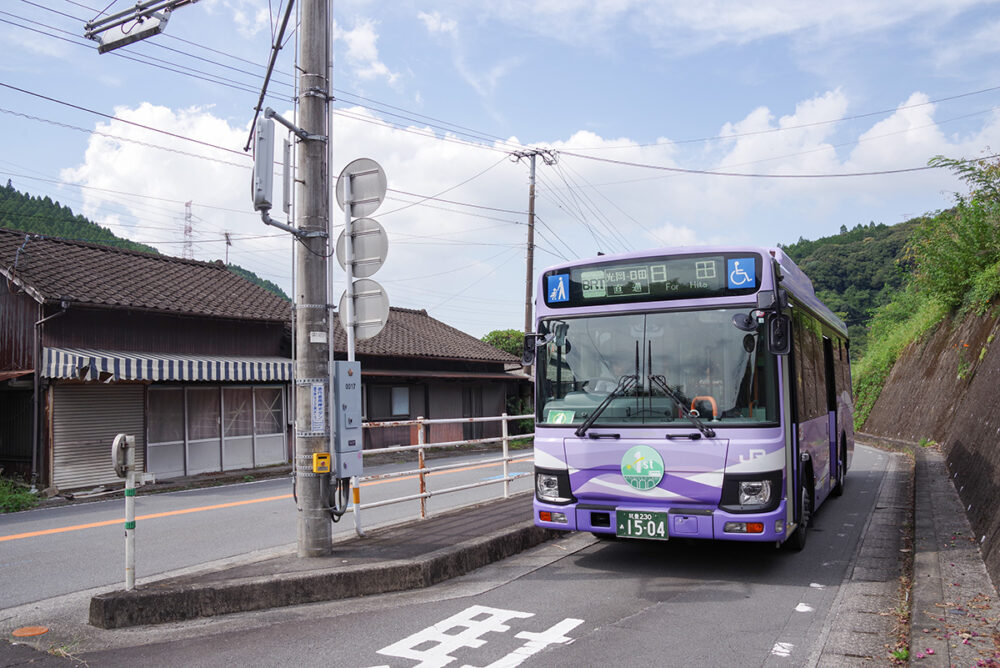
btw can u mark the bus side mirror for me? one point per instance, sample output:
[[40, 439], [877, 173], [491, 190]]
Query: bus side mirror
[[779, 340], [528, 352], [769, 299]]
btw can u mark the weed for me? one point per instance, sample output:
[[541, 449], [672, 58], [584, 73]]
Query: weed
[[902, 655], [248, 478], [927, 443], [14, 497], [893, 327]]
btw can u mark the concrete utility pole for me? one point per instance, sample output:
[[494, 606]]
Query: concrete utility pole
[[549, 158], [528, 282], [313, 388]]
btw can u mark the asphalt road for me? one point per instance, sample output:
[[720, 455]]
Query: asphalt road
[[59, 550], [571, 602]]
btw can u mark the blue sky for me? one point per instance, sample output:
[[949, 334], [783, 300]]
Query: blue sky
[[440, 93]]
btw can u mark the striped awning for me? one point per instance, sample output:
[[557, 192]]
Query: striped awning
[[109, 366]]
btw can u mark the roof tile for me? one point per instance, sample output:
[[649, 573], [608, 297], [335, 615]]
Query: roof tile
[[82, 273]]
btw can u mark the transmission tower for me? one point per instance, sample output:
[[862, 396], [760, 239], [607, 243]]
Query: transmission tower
[[188, 252]]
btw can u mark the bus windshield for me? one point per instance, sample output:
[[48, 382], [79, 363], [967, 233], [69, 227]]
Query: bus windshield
[[721, 373]]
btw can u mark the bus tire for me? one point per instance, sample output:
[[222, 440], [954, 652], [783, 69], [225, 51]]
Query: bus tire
[[838, 486], [797, 540]]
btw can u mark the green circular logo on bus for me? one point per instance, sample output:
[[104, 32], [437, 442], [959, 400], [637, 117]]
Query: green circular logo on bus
[[642, 467]]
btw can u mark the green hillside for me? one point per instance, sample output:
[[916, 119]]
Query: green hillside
[[856, 271], [40, 215]]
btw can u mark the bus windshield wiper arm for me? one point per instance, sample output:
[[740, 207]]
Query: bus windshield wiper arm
[[625, 385], [661, 383]]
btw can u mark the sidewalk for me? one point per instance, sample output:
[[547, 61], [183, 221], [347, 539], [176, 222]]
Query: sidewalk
[[955, 610], [395, 558]]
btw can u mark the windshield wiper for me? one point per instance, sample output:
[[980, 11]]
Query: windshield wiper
[[661, 383], [625, 385]]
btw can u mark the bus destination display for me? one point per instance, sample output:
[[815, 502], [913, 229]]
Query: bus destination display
[[656, 279]]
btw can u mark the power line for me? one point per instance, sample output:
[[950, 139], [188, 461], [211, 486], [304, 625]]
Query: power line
[[798, 126], [139, 58], [457, 185], [705, 172], [120, 138], [122, 120], [440, 124]]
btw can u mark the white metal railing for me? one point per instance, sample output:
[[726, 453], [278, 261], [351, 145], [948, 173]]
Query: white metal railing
[[423, 470]]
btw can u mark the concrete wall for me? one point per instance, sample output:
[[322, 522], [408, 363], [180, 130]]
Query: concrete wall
[[946, 388]]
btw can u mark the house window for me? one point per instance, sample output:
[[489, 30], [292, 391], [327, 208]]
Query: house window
[[227, 427], [268, 413], [203, 413], [238, 402], [166, 415], [388, 402], [400, 401]]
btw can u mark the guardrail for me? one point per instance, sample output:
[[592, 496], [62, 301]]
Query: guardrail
[[423, 470]]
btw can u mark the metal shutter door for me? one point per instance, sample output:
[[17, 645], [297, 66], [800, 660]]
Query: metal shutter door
[[85, 420]]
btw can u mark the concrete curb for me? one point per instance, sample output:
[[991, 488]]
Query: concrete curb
[[166, 602]]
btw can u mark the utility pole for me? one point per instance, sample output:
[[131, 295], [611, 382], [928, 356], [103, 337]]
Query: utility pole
[[549, 158], [313, 388], [529, 275]]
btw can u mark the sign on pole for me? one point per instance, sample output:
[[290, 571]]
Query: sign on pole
[[371, 308], [371, 244], [368, 186]]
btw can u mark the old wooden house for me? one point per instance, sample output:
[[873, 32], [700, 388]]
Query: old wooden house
[[95, 341], [195, 361]]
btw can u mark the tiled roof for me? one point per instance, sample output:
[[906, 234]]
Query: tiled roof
[[412, 333], [56, 270]]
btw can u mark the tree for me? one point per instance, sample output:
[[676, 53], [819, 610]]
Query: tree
[[507, 340]]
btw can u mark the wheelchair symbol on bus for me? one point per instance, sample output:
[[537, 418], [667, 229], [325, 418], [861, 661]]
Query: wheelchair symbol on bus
[[742, 273]]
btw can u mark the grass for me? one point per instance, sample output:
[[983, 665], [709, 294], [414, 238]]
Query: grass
[[14, 496], [891, 332]]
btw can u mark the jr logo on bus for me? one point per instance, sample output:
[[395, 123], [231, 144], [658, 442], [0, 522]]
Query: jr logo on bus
[[642, 467]]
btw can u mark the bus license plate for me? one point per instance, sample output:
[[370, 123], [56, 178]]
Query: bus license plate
[[641, 524]]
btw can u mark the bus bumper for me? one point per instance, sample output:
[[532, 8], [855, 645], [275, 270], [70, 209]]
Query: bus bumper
[[681, 521]]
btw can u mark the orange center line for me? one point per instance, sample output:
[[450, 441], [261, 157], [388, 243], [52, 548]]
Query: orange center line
[[233, 504]]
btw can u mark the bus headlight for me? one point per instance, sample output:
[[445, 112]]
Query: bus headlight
[[552, 486], [751, 492], [755, 492]]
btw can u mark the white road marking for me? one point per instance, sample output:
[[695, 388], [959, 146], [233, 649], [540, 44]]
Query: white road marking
[[782, 649]]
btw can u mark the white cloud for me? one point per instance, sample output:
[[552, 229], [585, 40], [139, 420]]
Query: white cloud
[[466, 264], [362, 51], [688, 27], [163, 180], [250, 17], [436, 23]]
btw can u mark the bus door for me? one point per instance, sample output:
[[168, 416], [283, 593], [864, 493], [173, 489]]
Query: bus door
[[831, 404]]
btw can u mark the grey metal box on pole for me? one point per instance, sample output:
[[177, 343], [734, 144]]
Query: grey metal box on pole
[[349, 440]]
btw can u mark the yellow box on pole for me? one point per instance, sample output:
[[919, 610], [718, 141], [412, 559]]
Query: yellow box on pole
[[321, 462]]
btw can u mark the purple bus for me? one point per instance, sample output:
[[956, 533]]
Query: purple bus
[[688, 393]]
